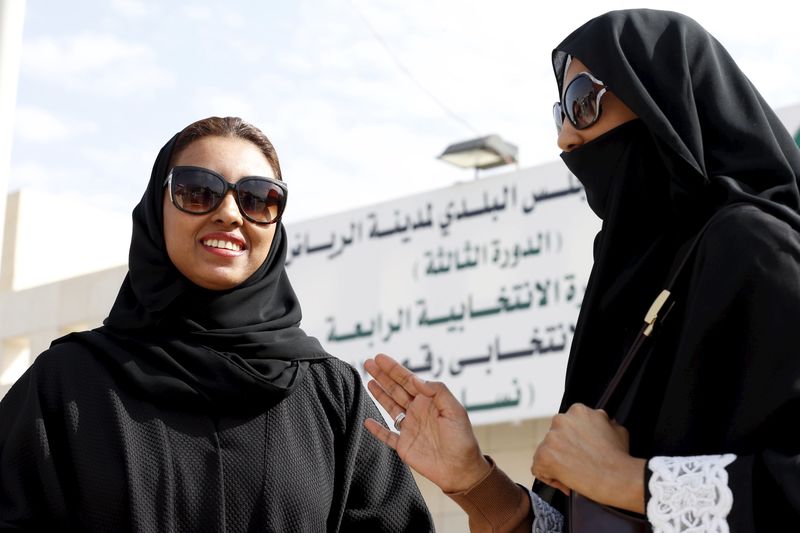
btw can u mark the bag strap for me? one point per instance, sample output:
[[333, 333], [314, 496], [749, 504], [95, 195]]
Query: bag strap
[[656, 314]]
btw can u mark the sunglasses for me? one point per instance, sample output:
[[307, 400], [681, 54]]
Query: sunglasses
[[580, 103], [198, 191]]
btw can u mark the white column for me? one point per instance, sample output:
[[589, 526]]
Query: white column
[[12, 16]]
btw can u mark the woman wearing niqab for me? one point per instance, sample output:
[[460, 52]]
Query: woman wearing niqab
[[703, 435], [198, 407]]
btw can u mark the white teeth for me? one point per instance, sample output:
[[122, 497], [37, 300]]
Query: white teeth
[[228, 245]]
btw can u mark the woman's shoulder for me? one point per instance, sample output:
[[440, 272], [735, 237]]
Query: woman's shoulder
[[62, 373], [64, 356], [335, 372], [66, 365], [746, 234], [336, 383]]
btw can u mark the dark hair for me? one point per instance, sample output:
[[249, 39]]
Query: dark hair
[[227, 127]]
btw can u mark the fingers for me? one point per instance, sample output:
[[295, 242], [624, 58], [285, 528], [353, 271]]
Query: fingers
[[395, 387], [443, 399], [558, 485], [622, 434], [398, 373], [539, 462], [385, 399], [381, 433], [390, 387], [552, 482], [541, 470]]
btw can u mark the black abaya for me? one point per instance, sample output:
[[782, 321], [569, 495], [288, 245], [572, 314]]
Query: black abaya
[[714, 407], [197, 410]]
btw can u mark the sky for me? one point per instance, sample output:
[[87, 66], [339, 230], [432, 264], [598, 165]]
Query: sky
[[359, 97]]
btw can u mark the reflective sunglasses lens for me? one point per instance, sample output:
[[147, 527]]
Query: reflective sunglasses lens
[[196, 191], [558, 116], [261, 200], [580, 102]]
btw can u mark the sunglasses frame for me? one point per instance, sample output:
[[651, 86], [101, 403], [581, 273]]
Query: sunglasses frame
[[558, 107], [229, 187]]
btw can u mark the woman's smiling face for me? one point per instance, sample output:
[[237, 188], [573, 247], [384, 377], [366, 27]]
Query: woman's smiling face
[[221, 249]]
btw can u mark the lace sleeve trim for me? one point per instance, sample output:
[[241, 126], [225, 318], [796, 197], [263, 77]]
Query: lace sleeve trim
[[689, 494], [546, 519]]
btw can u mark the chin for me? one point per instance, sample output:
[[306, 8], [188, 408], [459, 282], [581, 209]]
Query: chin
[[216, 283]]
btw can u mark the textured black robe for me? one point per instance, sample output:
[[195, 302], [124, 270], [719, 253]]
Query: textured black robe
[[82, 450], [196, 410]]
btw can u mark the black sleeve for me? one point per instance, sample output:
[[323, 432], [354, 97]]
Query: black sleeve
[[751, 479], [31, 494], [382, 495]]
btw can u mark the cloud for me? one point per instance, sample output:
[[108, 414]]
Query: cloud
[[201, 13], [131, 8], [109, 188], [215, 102], [37, 125], [223, 13], [80, 54], [350, 125], [31, 174], [96, 63]]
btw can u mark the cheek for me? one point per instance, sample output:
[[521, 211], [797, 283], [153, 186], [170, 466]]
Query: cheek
[[262, 241], [618, 113], [173, 229]]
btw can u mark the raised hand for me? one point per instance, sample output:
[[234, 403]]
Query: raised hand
[[435, 438]]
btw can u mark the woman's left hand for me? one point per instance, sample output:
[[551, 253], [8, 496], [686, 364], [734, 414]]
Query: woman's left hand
[[587, 452]]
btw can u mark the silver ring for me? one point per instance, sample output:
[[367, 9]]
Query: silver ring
[[399, 419]]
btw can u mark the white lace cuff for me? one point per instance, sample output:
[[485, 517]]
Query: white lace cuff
[[546, 519], [689, 494]]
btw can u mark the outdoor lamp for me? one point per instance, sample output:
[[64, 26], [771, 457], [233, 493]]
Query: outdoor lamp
[[482, 153]]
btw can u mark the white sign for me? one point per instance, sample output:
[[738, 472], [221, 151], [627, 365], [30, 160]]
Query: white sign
[[477, 285]]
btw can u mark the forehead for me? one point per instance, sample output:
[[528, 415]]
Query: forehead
[[233, 157]]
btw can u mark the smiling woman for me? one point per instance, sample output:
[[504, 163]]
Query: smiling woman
[[200, 405]]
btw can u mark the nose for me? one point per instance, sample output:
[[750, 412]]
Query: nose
[[228, 212], [569, 138]]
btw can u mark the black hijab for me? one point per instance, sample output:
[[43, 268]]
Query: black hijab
[[704, 139], [175, 342]]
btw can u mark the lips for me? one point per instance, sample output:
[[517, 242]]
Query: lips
[[223, 241], [226, 245]]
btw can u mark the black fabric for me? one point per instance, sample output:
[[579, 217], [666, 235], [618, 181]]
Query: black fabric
[[234, 349], [633, 252], [722, 375], [197, 410], [83, 451], [608, 156]]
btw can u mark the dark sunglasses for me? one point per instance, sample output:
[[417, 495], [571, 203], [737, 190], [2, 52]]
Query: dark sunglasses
[[580, 103], [198, 191]]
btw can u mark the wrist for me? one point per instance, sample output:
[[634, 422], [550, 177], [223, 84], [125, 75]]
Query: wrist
[[632, 491], [470, 475]]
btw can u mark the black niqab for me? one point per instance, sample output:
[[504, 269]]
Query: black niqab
[[174, 341]]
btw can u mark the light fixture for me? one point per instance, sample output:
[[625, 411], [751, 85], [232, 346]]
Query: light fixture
[[485, 152]]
